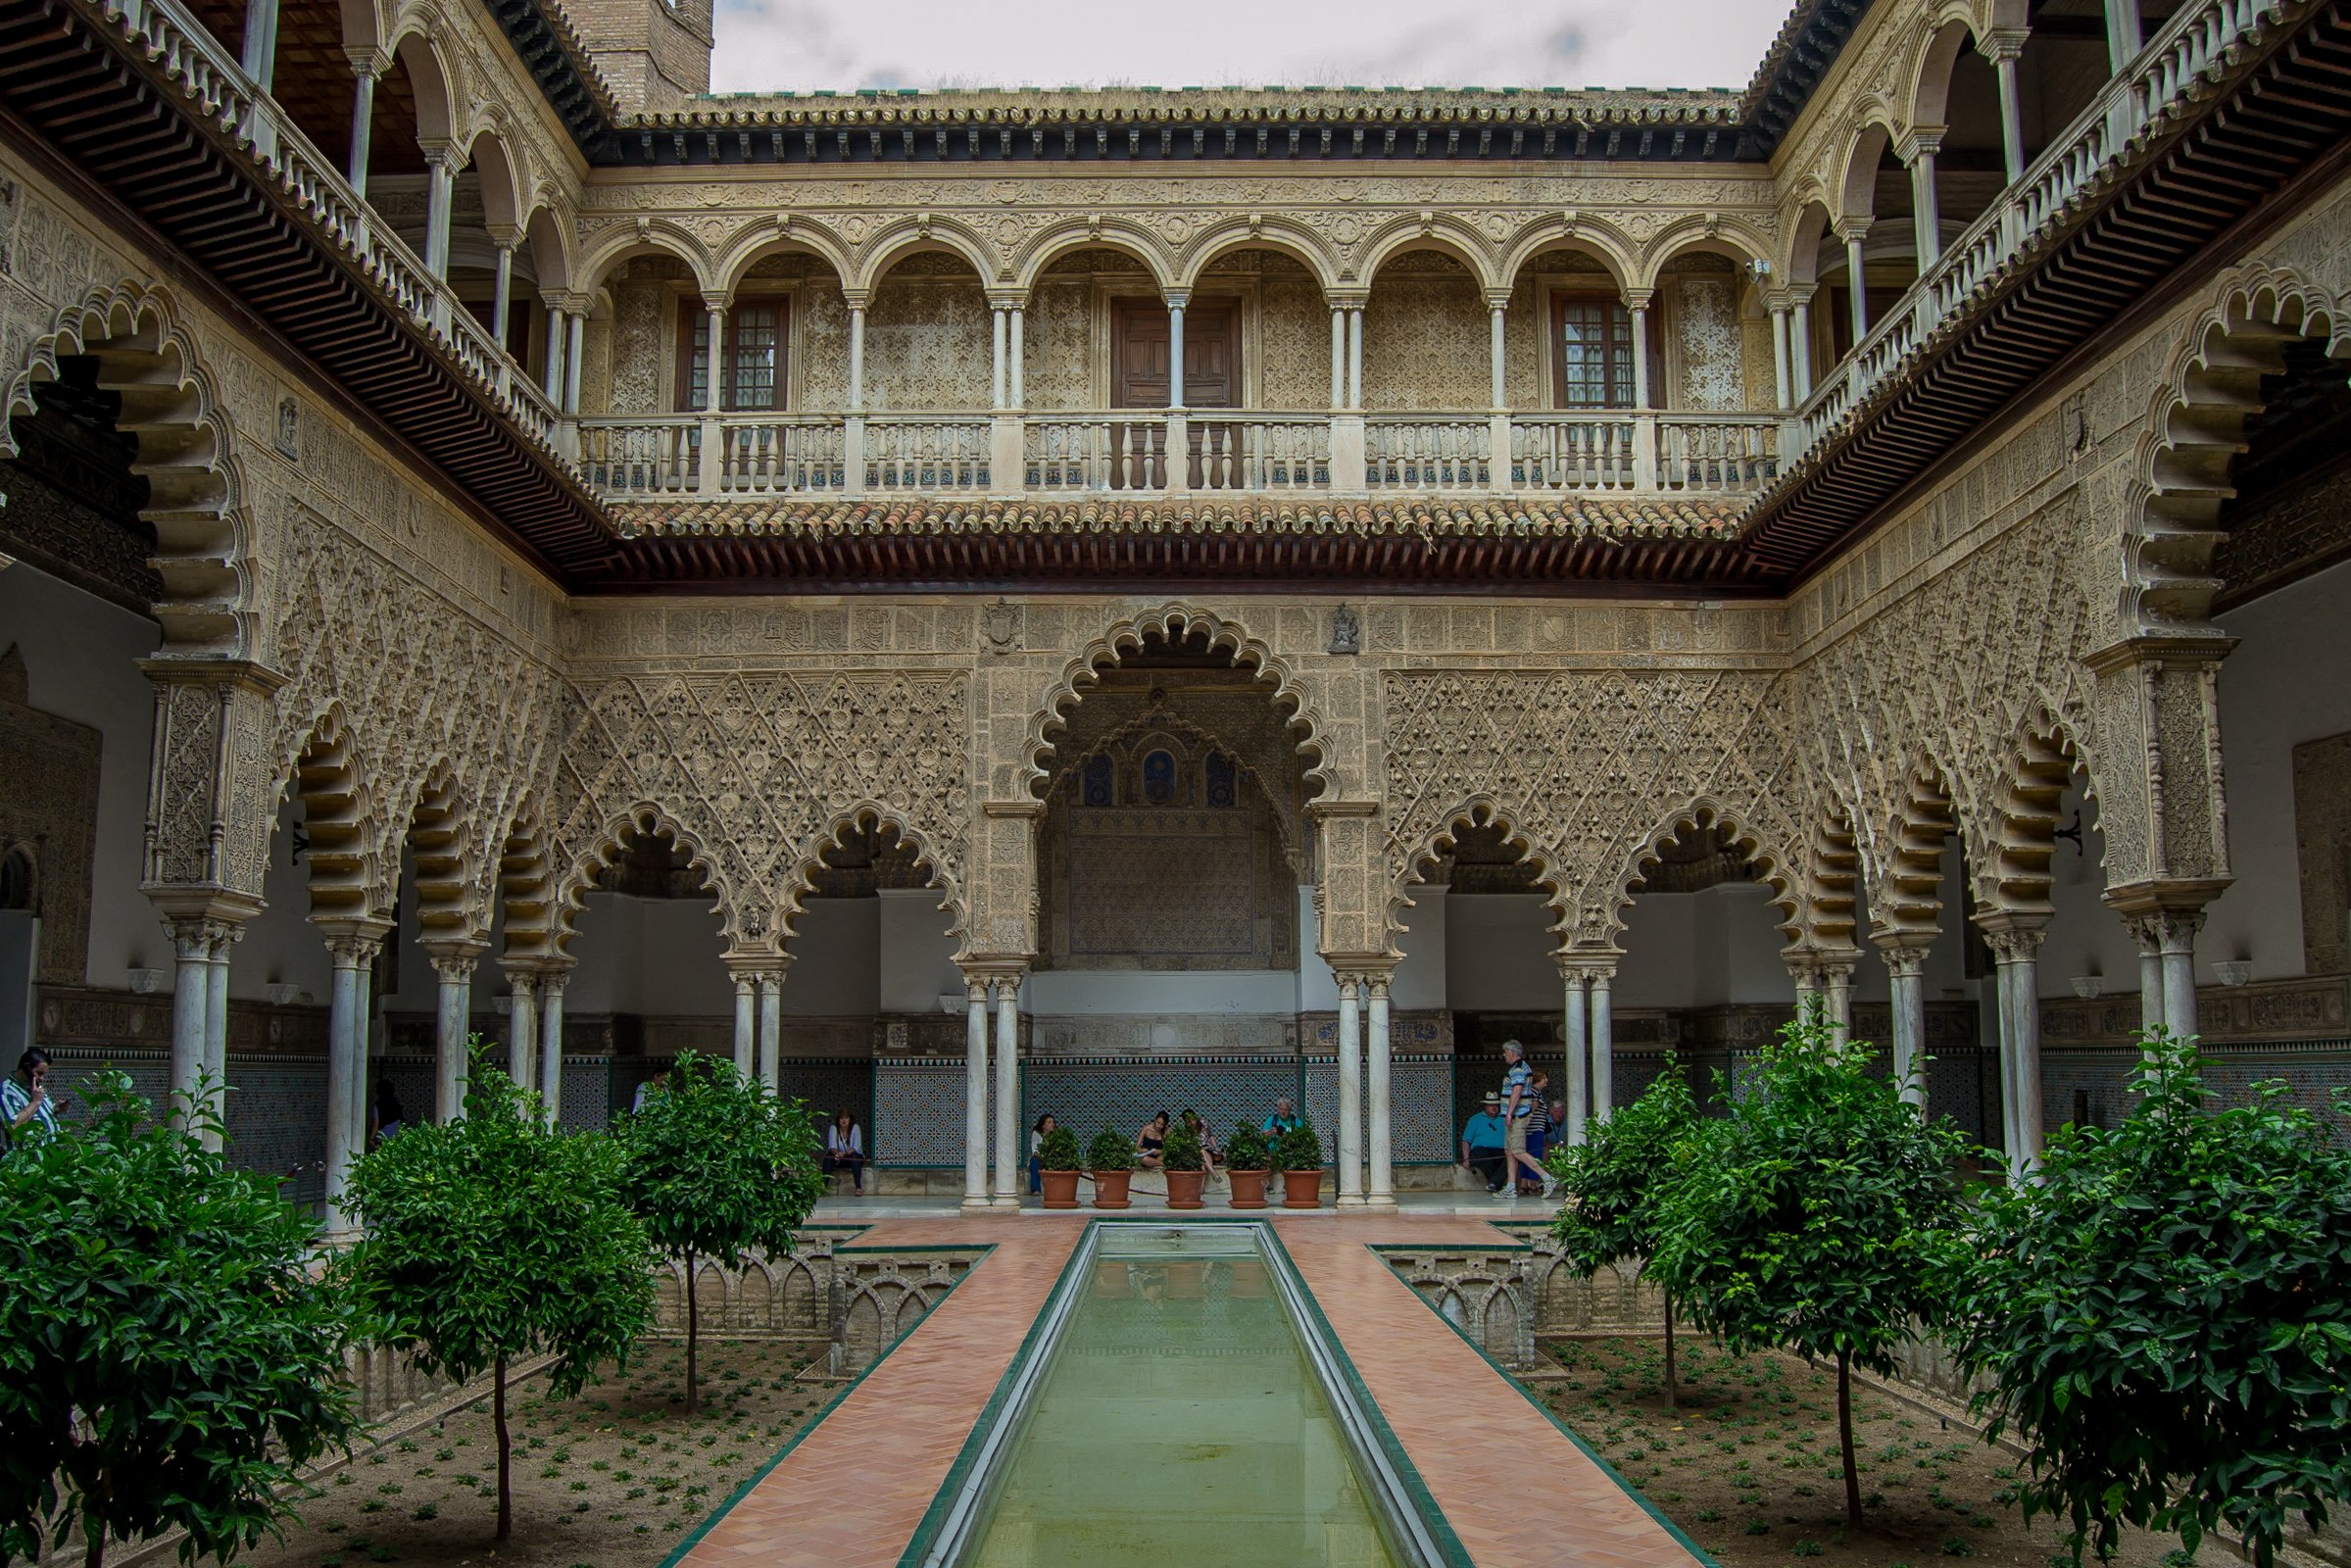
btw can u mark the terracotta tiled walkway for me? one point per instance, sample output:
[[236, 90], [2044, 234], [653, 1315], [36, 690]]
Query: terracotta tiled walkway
[[852, 1492]]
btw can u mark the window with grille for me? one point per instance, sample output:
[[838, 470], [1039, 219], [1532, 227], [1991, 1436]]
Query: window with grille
[[752, 360], [1593, 354]]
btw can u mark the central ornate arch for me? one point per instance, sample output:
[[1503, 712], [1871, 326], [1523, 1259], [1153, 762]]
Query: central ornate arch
[[863, 815], [1175, 623], [643, 819], [1478, 811], [1775, 865]]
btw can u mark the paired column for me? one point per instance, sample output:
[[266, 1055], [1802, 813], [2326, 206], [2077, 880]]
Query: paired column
[[1590, 1031], [1800, 342], [551, 1042], [2016, 952], [1007, 437], [1906, 969], [556, 337], [200, 946], [1351, 1090], [714, 396], [1498, 413], [771, 1029], [1804, 969], [353, 945], [1347, 396], [1011, 1165], [2123, 34], [1579, 1054], [1782, 382], [1836, 972], [577, 325], [522, 1023], [500, 307], [747, 1022], [1857, 286], [759, 1017], [453, 965], [2167, 967], [975, 1091], [1380, 1091]]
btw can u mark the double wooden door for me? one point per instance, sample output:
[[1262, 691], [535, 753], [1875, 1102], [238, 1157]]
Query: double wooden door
[[1139, 353]]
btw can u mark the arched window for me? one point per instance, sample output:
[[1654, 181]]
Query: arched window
[[1094, 781], [1160, 778], [20, 882], [1220, 779]]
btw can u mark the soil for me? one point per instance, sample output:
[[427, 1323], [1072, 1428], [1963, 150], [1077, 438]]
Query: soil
[[612, 1479], [1748, 1465]]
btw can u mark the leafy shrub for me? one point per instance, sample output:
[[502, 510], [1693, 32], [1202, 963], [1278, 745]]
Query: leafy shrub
[[1245, 1149], [1298, 1149], [1110, 1150], [1182, 1151], [1058, 1150]]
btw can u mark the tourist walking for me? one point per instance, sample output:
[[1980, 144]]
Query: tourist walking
[[1518, 1104], [845, 1150], [24, 1098]]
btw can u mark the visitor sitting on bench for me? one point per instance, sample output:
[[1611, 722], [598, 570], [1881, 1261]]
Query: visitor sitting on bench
[[1149, 1142], [1482, 1143], [845, 1149], [1283, 1119]]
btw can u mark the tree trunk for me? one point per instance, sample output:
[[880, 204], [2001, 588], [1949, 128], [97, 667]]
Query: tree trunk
[[1845, 1437], [1673, 1393], [693, 1331], [506, 1492]]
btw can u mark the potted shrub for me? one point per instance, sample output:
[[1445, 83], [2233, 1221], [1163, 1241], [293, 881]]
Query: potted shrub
[[1245, 1158], [1058, 1168], [1298, 1155], [1187, 1171], [1110, 1159]]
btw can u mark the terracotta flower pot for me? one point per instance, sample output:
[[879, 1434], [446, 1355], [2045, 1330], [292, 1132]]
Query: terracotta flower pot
[[1110, 1187], [1060, 1187], [1249, 1187], [1184, 1189], [1302, 1188]]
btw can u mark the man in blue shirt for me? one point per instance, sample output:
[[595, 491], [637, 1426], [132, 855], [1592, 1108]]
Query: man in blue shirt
[[1518, 1104], [1482, 1143]]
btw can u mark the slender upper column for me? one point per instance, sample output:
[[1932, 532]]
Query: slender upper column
[[365, 65], [1906, 968], [1925, 212], [1010, 1176], [1804, 969], [551, 1039], [500, 307], [1338, 314], [746, 1021], [1636, 304], [1498, 311], [578, 326], [856, 353], [453, 965], [1382, 1187], [441, 167], [2002, 49], [554, 353], [975, 1091], [1800, 342], [1017, 315], [1782, 382], [1354, 355], [260, 43], [521, 1024], [714, 382], [1857, 285], [1176, 301], [997, 333], [2123, 33], [1351, 1090]]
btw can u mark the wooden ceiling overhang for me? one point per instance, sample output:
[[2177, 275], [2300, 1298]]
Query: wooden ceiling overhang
[[2198, 187], [75, 87], [1425, 545]]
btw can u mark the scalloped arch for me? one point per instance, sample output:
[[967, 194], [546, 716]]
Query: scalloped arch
[[1480, 811], [323, 763], [865, 814], [1774, 862], [2195, 425], [187, 447], [644, 819], [2041, 764], [1176, 622]]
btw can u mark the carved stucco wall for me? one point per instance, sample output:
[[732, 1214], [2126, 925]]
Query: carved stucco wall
[[49, 813]]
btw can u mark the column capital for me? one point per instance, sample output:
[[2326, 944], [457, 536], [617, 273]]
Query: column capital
[[1588, 963], [2013, 938], [2192, 652], [507, 237], [857, 299], [367, 62], [444, 157], [1904, 953], [554, 978], [354, 940], [1347, 299], [197, 939], [986, 971], [1637, 299], [2165, 896], [571, 302], [1499, 299], [1176, 298], [454, 959], [2003, 45], [1852, 230], [245, 674], [1835, 966], [752, 965], [1926, 139], [179, 903], [1011, 299]]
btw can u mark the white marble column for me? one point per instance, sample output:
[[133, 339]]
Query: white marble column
[[713, 391], [1857, 290], [551, 1036], [975, 1092], [1603, 1046], [521, 1026], [771, 1029], [1799, 345], [1338, 358], [216, 1029], [2147, 930], [2179, 949], [2123, 33], [2016, 949], [1806, 974], [1926, 211], [1382, 1191], [501, 306], [1351, 1090], [856, 355], [997, 333], [1496, 314], [440, 181], [260, 55], [1906, 971], [577, 323], [1017, 315], [452, 966], [1579, 1056], [1354, 356], [1637, 305], [365, 66], [2003, 53], [1010, 1149], [1836, 983], [1782, 382], [192, 1004], [556, 335], [352, 951], [1175, 354], [747, 1022]]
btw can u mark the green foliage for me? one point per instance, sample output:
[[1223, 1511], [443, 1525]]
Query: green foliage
[[496, 1237], [2165, 1316], [1616, 1180], [1110, 1151], [1182, 1151], [718, 1167], [1058, 1150], [1813, 1218], [1245, 1149], [1298, 1149], [167, 1359]]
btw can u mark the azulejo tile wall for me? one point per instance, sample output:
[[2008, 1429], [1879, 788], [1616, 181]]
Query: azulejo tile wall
[[1420, 1092]]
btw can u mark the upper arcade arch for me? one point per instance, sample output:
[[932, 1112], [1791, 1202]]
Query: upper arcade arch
[[1294, 240], [1131, 240], [651, 236], [736, 263], [1443, 233], [172, 404], [1733, 239], [431, 82], [912, 237], [1601, 241]]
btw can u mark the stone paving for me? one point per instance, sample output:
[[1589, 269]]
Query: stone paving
[[854, 1489]]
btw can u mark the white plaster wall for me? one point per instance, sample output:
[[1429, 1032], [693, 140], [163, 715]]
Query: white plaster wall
[[916, 957], [836, 960], [1420, 980], [657, 956], [1110, 992], [80, 654], [2284, 685], [281, 946], [1499, 950], [1317, 986]]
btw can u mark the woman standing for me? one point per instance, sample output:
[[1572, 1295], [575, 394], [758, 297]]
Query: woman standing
[[1045, 1124]]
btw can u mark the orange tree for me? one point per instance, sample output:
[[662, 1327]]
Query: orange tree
[[2164, 1317]]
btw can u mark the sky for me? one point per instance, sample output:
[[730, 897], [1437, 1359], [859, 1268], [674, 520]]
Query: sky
[[798, 45]]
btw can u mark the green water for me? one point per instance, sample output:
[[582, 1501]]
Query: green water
[[1180, 1423]]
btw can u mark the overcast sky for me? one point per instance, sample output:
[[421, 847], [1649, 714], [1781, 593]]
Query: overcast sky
[[795, 45]]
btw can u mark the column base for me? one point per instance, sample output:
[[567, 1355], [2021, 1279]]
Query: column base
[[1352, 1201], [980, 1204], [1385, 1202], [1004, 1202]]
